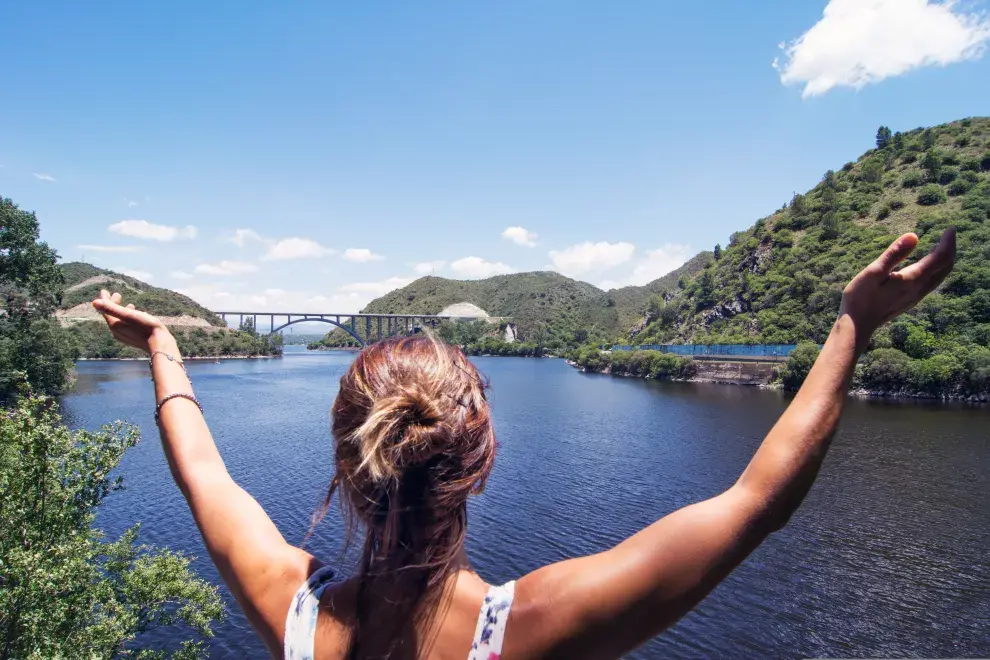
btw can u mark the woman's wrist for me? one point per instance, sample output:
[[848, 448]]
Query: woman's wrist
[[163, 341], [856, 332]]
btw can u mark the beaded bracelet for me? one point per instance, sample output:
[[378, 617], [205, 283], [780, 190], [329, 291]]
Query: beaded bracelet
[[171, 358], [177, 395]]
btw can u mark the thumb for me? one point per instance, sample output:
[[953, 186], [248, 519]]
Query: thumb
[[896, 253]]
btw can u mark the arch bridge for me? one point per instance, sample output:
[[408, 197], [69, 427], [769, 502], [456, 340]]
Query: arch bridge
[[376, 326]]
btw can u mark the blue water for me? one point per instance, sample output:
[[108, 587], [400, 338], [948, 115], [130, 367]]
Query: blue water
[[889, 556]]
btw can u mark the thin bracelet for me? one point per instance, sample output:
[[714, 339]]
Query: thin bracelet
[[177, 395], [171, 358]]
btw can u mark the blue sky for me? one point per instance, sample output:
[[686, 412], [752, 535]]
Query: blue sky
[[313, 156]]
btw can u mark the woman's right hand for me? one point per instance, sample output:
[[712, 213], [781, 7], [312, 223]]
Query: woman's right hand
[[878, 293], [132, 327]]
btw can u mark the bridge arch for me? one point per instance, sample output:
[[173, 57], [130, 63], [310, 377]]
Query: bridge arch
[[321, 320]]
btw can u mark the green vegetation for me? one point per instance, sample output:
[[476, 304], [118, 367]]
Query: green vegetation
[[66, 591], [33, 348], [484, 338], [798, 365], [781, 280], [644, 364], [547, 309]]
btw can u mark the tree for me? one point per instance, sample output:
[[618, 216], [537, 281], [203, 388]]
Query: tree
[[33, 348], [883, 137], [928, 139], [932, 163], [898, 141], [718, 252], [830, 226], [797, 205], [872, 170], [798, 365], [247, 325], [66, 591]]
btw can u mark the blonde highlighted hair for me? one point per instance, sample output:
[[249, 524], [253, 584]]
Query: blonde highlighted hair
[[413, 440]]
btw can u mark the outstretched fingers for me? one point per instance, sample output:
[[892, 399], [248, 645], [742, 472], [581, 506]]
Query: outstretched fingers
[[936, 266], [898, 251]]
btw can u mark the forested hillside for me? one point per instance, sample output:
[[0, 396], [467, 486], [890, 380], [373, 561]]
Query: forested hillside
[[548, 309], [200, 332], [84, 281], [781, 280]]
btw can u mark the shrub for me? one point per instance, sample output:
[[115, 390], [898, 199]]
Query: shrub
[[912, 180], [962, 141], [930, 195], [970, 165], [909, 157], [67, 592], [939, 374], [919, 343], [950, 159], [799, 365], [959, 187], [886, 370], [947, 175], [985, 163], [883, 212], [896, 204]]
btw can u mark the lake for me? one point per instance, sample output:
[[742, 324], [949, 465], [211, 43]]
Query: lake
[[888, 557]]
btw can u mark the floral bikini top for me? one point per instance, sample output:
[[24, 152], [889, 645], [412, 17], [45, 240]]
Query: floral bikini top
[[300, 624]]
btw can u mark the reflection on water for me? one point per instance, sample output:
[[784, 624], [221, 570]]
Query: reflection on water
[[888, 557]]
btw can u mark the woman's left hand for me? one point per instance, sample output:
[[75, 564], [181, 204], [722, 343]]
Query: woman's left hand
[[130, 326]]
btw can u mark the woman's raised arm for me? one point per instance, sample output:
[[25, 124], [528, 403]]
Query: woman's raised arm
[[607, 604], [259, 567]]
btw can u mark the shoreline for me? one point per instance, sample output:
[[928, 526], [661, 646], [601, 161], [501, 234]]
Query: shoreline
[[859, 393], [184, 358]]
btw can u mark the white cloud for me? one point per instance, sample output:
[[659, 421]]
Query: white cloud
[[296, 248], [142, 275], [478, 267], [654, 265], [130, 203], [361, 255], [111, 248], [377, 288], [44, 177], [591, 257], [859, 42], [520, 236], [181, 275], [223, 297], [223, 268], [428, 267], [152, 232], [242, 236]]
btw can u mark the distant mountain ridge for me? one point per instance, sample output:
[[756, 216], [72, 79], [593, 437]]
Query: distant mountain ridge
[[541, 297]]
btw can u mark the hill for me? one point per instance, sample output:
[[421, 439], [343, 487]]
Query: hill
[[199, 332], [562, 311], [781, 280], [84, 281]]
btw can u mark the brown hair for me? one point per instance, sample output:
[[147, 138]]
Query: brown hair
[[413, 439]]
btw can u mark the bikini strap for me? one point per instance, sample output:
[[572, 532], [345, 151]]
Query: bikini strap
[[300, 623], [490, 632]]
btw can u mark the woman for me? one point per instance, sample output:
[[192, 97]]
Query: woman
[[413, 439]]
